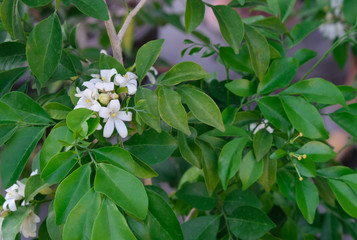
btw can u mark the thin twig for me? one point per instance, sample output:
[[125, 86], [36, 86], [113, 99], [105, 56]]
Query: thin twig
[[190, 215], [114, 42], [147, 181]]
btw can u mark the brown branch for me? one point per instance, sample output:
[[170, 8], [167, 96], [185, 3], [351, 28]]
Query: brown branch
[[190, 215], [114, 42]]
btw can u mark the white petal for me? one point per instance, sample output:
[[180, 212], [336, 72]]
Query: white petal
[[104, 52], [35, 172], [119, 79], [131, 89], [151, 77], [107, 74], [122, 115], [95, 76], [108, 128], [108, 86], [121, 128], [114, 105], [96, 80], [99, 127], [96, 107], [131, 75], [11, 204], [154, 70], [104, 112]]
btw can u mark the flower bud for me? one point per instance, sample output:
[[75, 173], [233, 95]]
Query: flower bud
[[104, 98], [46, 191]]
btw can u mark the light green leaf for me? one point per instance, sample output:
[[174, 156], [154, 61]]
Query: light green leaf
[[70, 191], [95, 8], [171, 109], [77, 121], [34, 185], [44, 48], [194, 14], [202, 106], [36, 3], [304, 117], [205, 227], [250, 170], [345, 196], [272, 24], [8, 79], [110, 224], [286, 7], [268, 178], [351, 180], [262, 142], [57, 110], [241, 87], [305, 166], [8, 115], [230, 24], [146, 57], [304, 55], [183, 72], [307, 198], [16, 152], [301, 30], [122, 188], [80, 221], [189, 149], [317, 151], [335, 171]]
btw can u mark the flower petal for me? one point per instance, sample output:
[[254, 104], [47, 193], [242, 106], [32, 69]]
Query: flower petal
[[107, 74], [131, 75], [108, 128], [125, 116], [131, 89], [96, 107], [108, 86], [119, 79], [121, 128], [104, 112], [114, 106]]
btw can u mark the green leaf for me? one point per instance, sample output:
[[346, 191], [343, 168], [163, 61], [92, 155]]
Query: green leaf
[[11, 19], [317, 90], [258, 50], [346, 120], [262, 142], [171, 109], [286, 184], [241, 87], [335, 171], [122, 158], [325, 191], [304, 117], [304, 55], [230, 25], [151, 147], [108, 62], [205, 227], [194, 14], [151, 114], [317, 151], [77, 120], [8, 79], [286, 7], [122, 188], [268, 178], [6, 132], [340, 54], [183, 72], [57, 110], [70, 191], [273, 111], [202, 106], [16, 152], [272, 24], [351, 180], [229, 159], [249, 223], [239, 198], [307, 198], [36, 3], [331, 228], [160, 223], [58, 167], [196, 195], [95, 8], [250, 170], [189, 149], [289, 230], [238, 62], [301, 30], [279, 75], [110, 224], [345, 196], [65, 69], [80, 221], [34, 185], [55, 231], [44, 48], [12, 55], [349, 9], [306, 166], [12, 223], [348, 92], [146, 57], [8, 115], [27, 108]]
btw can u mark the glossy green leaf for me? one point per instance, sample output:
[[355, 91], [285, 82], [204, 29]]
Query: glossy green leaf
[[108, 62], [279, 153], [230, 25], [273, 111], [11, 224], [194, 14], [325, 191], [34, 185], [351, 180], [317, 90], [205, 227], [6, 132], [305, 166], [8, 79], [348, 92], [171, 109], [189, 149], [196, 195], [44, 48], [258, 50], [30, 111], [237, 62], [230, 159], [286, 184], [335, 171], [122, 188], [36, 3], [151, 147], [239, 198], [304, 55], [16, 152], [304, 117], [345, 196], [151, 114], [317, 151], [241, 87], [12, 55], [95, 8], [301, 30], [250, 170], [268, 177], [110, 224], [249, 223], [70, 191], [80, 221], [183, 72], [331, 228], [202, 106], [65, 69], [307, 198], [11, 19], [58, 167], [279, 75], [160, 223], [8, 115], [346, 120], [122, 158], [262, 142], [286, 7], [289, 230], [272, 24], [57, 110], [340, 54], [146, 57], [77, 120]]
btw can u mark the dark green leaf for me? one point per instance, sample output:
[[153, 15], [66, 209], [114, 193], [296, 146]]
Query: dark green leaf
[[238, 62], [272, 24], [53, 229], [36, 3], [301, 30], [12, 55], [346, 120], [6, 132], [11, 19], [205, 227], [307, 198], [239, 198], [189, 149], [345, 196], [194, 14], [34, 185], [262, 142], [250, 170], [289, 230], [108, 62], [151, 115], [57, 110], [8, 115], [340, 54], [286, 7], [241, 87], [349, 9], [335, 171], [94, 8], [268, 178], [304, 55], [317, 151], [305, 166], [183, 72], [286, 184], [273, 111]]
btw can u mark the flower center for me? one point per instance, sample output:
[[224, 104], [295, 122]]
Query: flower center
[[126, 75], [87, 100], [113, 115], [103, 78], [116, 96]]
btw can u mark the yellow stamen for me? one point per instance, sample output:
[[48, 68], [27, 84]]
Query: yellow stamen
[[126, 75], [103, 78], [300, 179], [299, 158], [304, 156], [116, 96], [300, 134], [295, 138], [113, 114], [87, 100]]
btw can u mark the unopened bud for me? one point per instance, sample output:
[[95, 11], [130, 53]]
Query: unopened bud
[[300, 179], [46, 191], [104, 98]]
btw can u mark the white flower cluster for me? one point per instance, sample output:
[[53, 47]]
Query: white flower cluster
[[17, 193], [263, 125], [100, 96], [333, 27]]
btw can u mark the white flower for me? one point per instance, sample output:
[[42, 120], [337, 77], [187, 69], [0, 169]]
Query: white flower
[[128, 80], [88, 99], [1, 220], [103, 81], [35, 172], [151, 76], [28, 226], [332, 30], [13, 193], [104, 52], [261, 126], [337, 6], [113, 117]]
